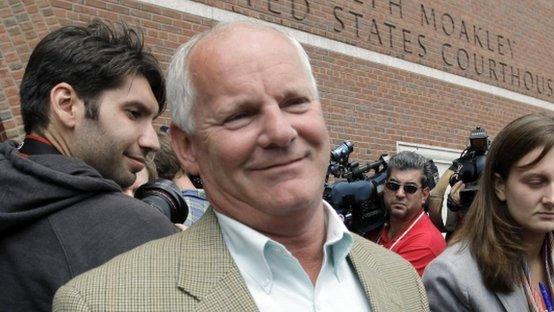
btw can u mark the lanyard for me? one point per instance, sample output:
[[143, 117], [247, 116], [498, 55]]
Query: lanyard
[[544, 293], [36, 145], [403, 233], [546, 297]]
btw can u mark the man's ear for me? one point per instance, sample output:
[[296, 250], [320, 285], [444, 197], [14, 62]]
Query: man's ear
[[185, 152], [425, 192], [65, 105], [499, 187]]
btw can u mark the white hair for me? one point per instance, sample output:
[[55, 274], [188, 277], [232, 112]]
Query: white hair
[[181, 92]]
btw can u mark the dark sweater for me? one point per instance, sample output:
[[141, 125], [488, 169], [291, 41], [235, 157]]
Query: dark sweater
[[60, 218]]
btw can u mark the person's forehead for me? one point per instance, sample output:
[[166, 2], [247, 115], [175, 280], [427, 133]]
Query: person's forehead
[[135, 89], [545, 165], [231, 47], [408, 175], [238, 35], [233, 63]]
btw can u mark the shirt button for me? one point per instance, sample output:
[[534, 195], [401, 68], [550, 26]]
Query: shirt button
[[267, 285]]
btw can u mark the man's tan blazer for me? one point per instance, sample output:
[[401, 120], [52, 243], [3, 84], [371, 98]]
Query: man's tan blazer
[[194, 271]]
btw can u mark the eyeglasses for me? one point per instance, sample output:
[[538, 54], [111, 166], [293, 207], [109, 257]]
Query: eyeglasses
[[408, 188]]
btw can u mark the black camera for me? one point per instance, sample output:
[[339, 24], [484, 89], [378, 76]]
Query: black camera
[[470, 165], [355, 196], [165, 196], [342, 152]]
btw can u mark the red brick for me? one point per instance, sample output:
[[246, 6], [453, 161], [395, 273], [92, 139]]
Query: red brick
[[96, 3], [372, 104], [85, 9], [62, 4], [108, 15], [152, 8]]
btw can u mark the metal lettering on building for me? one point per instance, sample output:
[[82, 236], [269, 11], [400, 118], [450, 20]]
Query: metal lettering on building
[[460, 44]]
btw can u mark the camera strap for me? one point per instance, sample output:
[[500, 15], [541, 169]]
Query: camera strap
[[36, 145], [403, 233]]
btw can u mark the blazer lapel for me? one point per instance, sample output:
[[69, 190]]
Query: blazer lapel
[[381, 296], [514, 301], [207, 271]]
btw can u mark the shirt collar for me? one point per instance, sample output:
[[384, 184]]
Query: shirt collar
[[199, 193], [339, 240], [249, 247]]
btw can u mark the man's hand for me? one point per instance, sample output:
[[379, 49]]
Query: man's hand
[[180, 226], [455, 192], [453, 202], [436, 199]]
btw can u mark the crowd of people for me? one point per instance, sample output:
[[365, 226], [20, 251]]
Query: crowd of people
[[247, 149]]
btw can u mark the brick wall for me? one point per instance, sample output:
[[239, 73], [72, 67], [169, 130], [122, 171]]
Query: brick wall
[[485, 40], [373, 105]]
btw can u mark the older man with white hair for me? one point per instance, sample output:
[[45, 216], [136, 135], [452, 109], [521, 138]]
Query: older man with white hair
[[248, 120]]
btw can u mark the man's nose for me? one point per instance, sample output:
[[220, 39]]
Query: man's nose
[[277, 128], [400, 192], [148, 139]]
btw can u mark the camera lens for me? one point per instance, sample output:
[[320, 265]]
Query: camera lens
[[342, 150], [164, 195]]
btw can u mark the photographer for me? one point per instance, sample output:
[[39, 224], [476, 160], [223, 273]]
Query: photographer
[[463, 176], [436, 199], [88, 99], [410, 232]]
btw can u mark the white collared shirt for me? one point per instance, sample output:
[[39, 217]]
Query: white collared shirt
[[278, 282]]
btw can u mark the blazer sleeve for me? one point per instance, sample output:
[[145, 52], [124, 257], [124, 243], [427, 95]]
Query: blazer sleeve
[[68, 299], [445, 290]]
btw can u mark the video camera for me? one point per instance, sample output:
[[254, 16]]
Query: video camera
[[470, 166], [355, 196], [165, 196]]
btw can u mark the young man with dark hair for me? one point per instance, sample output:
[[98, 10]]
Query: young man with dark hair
[[88, 99]]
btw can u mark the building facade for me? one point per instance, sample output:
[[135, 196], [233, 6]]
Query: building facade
[[392, 74]]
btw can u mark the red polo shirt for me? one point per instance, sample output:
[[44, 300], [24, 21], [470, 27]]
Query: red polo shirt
[[421, 244]]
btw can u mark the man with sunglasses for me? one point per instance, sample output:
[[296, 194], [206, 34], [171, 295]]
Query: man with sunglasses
[[409, 232]]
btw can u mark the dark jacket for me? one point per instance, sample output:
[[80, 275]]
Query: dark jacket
[[60, 218]]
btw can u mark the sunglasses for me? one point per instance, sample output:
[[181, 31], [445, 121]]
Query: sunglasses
[[408, 188]]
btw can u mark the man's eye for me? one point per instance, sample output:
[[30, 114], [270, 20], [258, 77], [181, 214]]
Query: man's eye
[[297, 101], [236, 116], [238, 120], [296, 104], [133, 114]]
